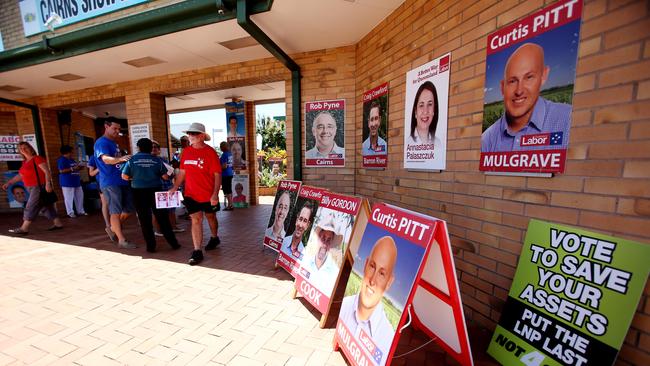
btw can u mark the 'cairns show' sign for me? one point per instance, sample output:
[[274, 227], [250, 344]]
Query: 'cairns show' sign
[[34, 13], [572, 298]]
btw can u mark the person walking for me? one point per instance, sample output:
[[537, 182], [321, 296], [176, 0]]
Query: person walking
[[146, 172], [117, 191], [70, 181], [37, 178], [200, 169], [226, 174]]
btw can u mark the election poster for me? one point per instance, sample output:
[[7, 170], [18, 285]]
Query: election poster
[[236, 126], [137, 132], [386, 268], [298, 232], [425, 115], [530, 72], [572, 298], [325, 251], [9, 148], [238, 151], [325, 133], [166, 199], [17, 195], [31, 140], [241, 191], [285, 201], [374, 149]]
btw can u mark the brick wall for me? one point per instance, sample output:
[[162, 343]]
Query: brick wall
[[605, 187]]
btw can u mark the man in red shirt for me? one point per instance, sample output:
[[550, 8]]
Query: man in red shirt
[[200, 169]]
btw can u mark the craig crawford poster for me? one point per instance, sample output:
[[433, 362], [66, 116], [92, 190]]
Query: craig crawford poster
[[425, 115], [529, 77], [325, 251], [374, 149], [285, 200], [298, 232], [325, 133], [572, 298], [381, 284]]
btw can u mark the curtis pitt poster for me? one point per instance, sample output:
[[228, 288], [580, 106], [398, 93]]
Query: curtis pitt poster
[[572, 298], [530, 72]]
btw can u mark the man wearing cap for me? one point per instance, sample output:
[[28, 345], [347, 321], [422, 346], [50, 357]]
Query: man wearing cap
[[200, 169], [322, 268], [292, 244], [364, 311], [115, 189]]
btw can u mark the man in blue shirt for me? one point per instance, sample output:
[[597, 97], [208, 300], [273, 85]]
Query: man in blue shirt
[[364, 312], [226, 174], [526, 113], [374, 144], [146, 173], [115, 189], [70, 181]]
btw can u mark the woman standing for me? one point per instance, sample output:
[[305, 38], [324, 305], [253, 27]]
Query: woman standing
[[36, 175]]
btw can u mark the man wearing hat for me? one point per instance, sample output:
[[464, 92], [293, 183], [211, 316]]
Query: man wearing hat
[[200, 169], [322, 267]]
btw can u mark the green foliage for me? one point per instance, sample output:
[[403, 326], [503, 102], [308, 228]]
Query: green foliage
[[269, 180], [273, 132]]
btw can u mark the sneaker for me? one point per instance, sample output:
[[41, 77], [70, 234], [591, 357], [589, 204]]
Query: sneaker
[[72, 216], [212, 244], [83, 214], [178, 230], [126, 245], [157, 233], [196, 258], [18, 231], [111, 234]]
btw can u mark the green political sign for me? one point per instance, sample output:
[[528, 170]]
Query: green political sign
[[572, 298]]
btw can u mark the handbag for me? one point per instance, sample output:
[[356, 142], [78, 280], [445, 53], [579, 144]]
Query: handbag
[[45, 198]]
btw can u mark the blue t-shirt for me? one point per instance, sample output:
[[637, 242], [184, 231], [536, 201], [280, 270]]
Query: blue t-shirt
[[109, 175], [69, 179], [226, 158], [145, 171]]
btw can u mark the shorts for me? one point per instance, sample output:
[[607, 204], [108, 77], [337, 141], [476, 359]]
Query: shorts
[[120, 199], [226, 185], [193, 206]]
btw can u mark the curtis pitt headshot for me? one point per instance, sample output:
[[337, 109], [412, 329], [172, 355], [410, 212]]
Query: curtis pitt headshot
[[364, 311], [526, 112], [292, 245], [374, 144], [324, 131]]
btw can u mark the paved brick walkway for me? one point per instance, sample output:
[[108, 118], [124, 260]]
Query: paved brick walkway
[[70, 297]]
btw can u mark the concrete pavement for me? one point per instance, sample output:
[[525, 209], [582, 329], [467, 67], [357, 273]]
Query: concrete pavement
[[70, 297]]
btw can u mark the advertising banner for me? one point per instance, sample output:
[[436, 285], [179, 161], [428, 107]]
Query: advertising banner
[[240, 190], [285, 201], [34, 13], [374, 149], [293, 245], [530, 73], [325, 133], [325, 250], [9, 148], [425, 115], [17, 195], [236, 133], [381, 284], [137, 132], [572, 298]]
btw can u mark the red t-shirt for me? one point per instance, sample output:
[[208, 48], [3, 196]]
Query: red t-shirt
[[28, 173], [200, 166]]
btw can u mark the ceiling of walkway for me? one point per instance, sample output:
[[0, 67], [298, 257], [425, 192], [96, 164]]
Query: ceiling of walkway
[[295, 25]]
